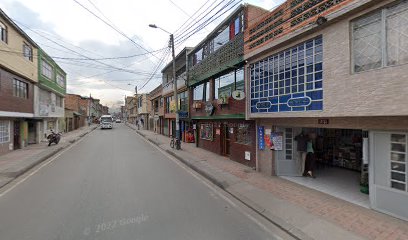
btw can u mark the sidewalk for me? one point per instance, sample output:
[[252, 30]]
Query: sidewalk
[[17, 162], [303, 212]]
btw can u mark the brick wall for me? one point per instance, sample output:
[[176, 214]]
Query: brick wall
[[237, 150], [72, 102], [8, 102]]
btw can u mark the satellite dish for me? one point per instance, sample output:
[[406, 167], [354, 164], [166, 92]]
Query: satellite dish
[[238, 95]]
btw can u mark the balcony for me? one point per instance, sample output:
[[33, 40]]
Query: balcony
[[232, 53], [181, 82]]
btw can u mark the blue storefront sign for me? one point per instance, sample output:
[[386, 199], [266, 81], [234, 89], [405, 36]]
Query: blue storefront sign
[[299, 102], [183, 114], [261, 139]]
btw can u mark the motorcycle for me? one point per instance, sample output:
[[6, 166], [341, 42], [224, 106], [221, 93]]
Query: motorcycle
[[54, 138]]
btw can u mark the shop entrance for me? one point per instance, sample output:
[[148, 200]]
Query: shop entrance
[[16, 135], [337, 161], [225, 142]]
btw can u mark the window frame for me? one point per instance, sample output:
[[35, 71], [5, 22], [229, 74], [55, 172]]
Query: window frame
[[58, 80], [27, 55], [7, 131], [384, 43], [3, 33], [20, 89], [51, 70]]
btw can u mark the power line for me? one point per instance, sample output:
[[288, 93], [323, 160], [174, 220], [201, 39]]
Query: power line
[[116, 30], [206, 23], [203, 24]]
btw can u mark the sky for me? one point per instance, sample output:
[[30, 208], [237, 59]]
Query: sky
[[80, 42]]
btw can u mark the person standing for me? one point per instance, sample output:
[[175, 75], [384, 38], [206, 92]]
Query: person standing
[[301, 140], [310, 159]]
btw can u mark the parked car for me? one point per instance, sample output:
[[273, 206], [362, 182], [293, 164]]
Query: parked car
[[118, 120]]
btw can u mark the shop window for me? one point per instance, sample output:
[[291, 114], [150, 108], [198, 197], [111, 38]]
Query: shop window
[[4, 131], [206, 131], [288, 144], [377, 45], [398, 176], [243, 134]]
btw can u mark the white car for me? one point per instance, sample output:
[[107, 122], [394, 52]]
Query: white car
[[118, 120]]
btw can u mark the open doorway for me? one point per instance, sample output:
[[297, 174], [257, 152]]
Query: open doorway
[[338, 165]]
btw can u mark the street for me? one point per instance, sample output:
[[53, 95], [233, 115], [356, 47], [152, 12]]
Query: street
[[114, 185]]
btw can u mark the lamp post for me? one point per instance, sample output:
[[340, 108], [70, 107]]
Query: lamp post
[[174, 85]]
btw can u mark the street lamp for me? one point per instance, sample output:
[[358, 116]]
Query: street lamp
[[174, 85]]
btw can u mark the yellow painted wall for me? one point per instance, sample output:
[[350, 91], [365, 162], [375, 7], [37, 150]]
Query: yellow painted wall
[[12, 57]]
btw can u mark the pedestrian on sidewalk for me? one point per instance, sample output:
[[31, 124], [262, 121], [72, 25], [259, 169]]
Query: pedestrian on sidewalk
[[310, 158]]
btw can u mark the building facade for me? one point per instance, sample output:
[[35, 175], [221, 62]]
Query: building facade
[[169, 126], [334, 71], [216, 79], [18, 75], [49, 96], [143, 110], [157, 110]]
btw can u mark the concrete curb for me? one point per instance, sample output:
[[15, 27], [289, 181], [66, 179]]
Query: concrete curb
[[277, 221], [41, 159]]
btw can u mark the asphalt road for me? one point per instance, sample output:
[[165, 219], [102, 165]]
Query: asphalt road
[[115, 185]]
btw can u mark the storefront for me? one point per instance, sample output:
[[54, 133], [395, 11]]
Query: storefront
[[362, 160]]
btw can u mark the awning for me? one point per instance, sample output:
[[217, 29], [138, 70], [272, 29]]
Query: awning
[[77, 114]]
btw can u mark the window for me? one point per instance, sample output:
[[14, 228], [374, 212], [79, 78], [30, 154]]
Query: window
[[58, 101], [183, 101], [3, 32], [46, 69], [381, 38], [243, 135], [289, 81], [227, 83], [168, 104], [237, 27], [60, 80], [398, 157], [221, 39], [28, 52], [198, 92], [288, 144], [161, 102], [206, 131], [207, 91], [4, 131], [20, 89]]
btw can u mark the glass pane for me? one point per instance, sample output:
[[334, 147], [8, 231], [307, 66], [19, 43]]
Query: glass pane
[[367, 51], [398, 176], [397, 147], [398, 138], [399, 186], [398, 167], [399, 157], [397, 34]]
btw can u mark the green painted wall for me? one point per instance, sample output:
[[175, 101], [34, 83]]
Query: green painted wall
[[51, 84]]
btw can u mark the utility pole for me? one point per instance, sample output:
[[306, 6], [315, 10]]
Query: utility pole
[[175, 93], [178, 142]]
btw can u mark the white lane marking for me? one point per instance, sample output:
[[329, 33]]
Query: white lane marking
[[213, 188], [43, 164]]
